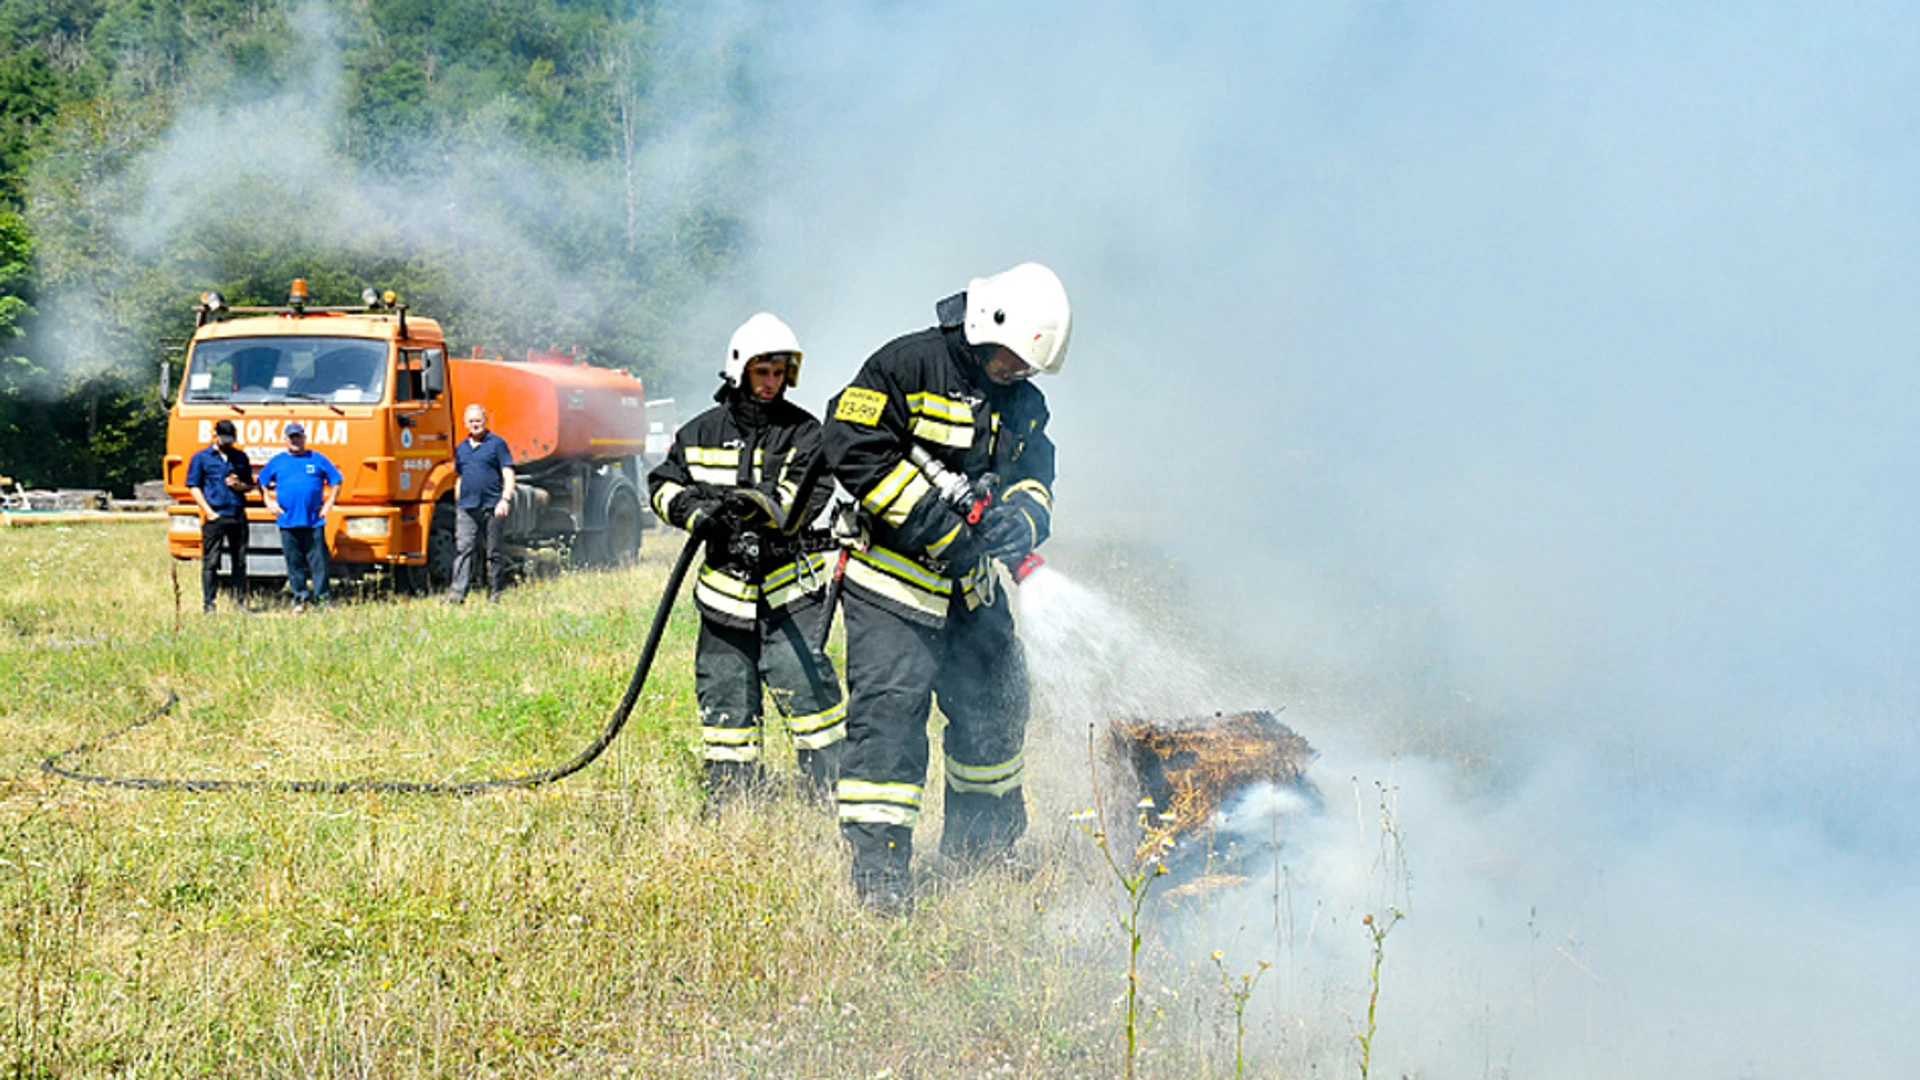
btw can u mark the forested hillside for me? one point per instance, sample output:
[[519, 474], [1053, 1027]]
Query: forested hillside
[[532, 172]]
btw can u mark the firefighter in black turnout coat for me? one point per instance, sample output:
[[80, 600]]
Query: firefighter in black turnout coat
[[747, 477], [934, 421]]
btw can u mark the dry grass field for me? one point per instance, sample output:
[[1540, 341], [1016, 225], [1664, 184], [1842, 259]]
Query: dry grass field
[[597, 927]]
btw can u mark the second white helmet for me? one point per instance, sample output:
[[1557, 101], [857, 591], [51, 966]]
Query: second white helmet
[[1026, 310], [761, 335]]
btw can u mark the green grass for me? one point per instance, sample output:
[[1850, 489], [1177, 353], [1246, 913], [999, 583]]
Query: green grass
[[597, 927]]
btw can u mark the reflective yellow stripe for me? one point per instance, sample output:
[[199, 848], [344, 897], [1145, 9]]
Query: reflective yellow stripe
[[664, 497], [940, 434], [715, 600], [892, 588], [942, 421], [812, 722], [728, 584], [879, 804], [713, 455], [786, 574], [934, 549], [878, 814], [850, 790], [1034, 488], [820, 740], [718, 464], [726, 457], [787, 584], [897, 565], [938, 407], [987, 779], [971, 582], [917, 488], [984, 773], [730, 744], [819, 729], [890, 486]]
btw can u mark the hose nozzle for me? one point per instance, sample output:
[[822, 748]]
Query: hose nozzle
[[1025, 567]]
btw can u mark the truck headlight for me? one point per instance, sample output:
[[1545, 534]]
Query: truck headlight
[[367, 528], [184, 523]]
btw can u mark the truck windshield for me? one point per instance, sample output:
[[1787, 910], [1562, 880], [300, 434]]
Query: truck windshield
[[335, 369]]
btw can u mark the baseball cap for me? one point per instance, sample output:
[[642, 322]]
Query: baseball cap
[[294, 427], [223, 427]]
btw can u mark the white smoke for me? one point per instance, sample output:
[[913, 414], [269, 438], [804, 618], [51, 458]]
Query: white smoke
[[530, 247], [1525, 388]]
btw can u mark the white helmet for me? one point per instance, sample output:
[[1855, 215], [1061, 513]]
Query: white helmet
[[759, 336], [1026, 310]]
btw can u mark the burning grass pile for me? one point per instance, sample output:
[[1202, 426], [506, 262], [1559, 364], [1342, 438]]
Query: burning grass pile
[[1192, 767]]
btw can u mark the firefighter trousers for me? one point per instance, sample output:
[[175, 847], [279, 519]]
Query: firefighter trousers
[[729, 667], [895, 668]]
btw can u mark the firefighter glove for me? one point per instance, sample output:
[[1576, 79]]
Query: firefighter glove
[[1008, 532], [743, 507], [964, 549], [703, 514]]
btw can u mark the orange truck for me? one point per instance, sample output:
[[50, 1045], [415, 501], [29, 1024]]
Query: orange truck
[[380, 397]]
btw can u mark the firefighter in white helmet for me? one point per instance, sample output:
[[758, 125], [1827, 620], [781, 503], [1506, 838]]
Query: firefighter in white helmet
[[933, 424], [747, 476]]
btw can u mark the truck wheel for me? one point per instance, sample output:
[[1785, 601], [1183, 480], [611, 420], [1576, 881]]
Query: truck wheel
[[433, 576], [440, 545], [621, 542]]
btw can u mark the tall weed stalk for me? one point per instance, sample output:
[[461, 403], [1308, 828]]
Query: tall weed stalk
[[1136, 875], [1396, 881]]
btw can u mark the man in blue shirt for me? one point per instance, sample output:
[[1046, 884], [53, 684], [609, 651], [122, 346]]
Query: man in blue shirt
[[218, 478], [483, 491], [301, 485]]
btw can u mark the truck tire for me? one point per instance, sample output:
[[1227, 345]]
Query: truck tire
[[620, 540], [436, 573], [440, 545], [613, 536]]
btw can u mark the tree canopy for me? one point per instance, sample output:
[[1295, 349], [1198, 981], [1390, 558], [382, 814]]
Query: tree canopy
[[500, 165]]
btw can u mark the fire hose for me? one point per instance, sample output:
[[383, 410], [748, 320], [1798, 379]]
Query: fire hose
[[406, 787]]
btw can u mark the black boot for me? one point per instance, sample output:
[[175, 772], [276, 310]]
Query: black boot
[[882, 867], [821, 768], [730, 781], [980, 829]]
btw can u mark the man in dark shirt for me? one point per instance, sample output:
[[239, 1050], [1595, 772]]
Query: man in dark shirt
[[483, 494], [218, 478]]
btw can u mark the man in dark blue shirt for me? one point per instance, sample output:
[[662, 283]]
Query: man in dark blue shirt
[[301, 485], [483, 493], [219, 477]]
